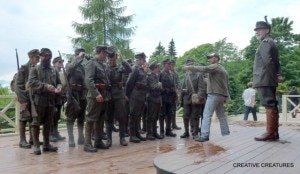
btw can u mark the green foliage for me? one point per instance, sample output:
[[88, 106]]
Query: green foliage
[[105, 25], [172, 49]]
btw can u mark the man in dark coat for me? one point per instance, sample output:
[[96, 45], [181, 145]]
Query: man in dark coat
[[136, 90], [98, 85], [266, 75], [22, 93], [44, 81]]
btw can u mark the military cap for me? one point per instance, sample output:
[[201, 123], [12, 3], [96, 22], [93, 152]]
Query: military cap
[[111, 51], [57, 59], [261, 24], [78, 50], [140, 55], [100, 48], [166, 61], [154, 65], [213, 55], [33, 52], [190, 61], [46, 51]]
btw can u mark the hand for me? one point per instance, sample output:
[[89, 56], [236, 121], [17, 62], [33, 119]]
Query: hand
[[57, 90], [81, 55], [99, 98], [24, 106], [50, 88], [279, 78], [185, 67]]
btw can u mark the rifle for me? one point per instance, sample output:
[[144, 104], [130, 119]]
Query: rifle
[[17, 56], [70, 97]]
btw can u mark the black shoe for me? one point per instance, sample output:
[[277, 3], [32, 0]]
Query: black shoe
[[80, 141], [109, 142], [100, 145], [176, 127], [71, 142], [140, 137], [49, 148], [134, 139], [170, 134], [185, 135], [157, 136], [126, 135], [123, 142], [24, 144], [201, 139], [150, 137], [53, 138], [104, 136], [59, 137], [37, 150], [162, 134], [89, 148], [30, 142]]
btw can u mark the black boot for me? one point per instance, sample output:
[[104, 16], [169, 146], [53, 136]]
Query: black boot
[[169, 132], [80, 140], [35, 138], [46, 144], [196, 128], [162, 127], [109, 129], [70, 126], [137, 133], [186, 133], [149, 135], [98, 130], [123, 142], [132, 126], [88, 147], [23, 143]]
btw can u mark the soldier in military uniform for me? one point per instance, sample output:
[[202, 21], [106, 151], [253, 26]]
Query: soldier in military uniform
[[136, 89], [154, 101], [266, 76], [116, 109], [44, 81], [76, 78], [23, 97], [193, 83], [178, 88], [98, 85], [169, 96], [59, 101]]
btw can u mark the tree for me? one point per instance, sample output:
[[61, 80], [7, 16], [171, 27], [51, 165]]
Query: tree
[[172, 49], [104, 25], [159, 54]]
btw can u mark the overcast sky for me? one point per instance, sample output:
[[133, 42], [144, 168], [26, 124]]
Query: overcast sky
[[28, 24]]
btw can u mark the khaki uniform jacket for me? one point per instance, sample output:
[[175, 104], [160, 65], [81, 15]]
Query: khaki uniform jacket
[[136, 85], [217, 82], [266, 64], [168, 81], [97, 72], [198, 85], [21, 82], [155, 88]]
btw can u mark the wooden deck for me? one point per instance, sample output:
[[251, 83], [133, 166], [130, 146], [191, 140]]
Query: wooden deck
[[173, 155]]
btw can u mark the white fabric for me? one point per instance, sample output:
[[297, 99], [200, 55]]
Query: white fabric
[[249, 97]]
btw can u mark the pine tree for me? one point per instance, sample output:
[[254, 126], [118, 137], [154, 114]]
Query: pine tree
[[104, 24], [172, 49]]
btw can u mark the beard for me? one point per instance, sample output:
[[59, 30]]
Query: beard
[[46, 63]]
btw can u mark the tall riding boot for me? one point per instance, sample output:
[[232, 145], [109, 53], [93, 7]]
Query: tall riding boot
[[174, 125], [272, 126], [98, 130], [35, 138], [57, 134], [186, 133], [132, 126], [169, 132], [80, 140], [137, 131], [30, 134], [52, 131], [88, 147], [46, 144], [276, 122], [122, 132], [149, 130], [154, 129], [70, 126], [162, 126], [109, 129], [22, 129], [196, 127]]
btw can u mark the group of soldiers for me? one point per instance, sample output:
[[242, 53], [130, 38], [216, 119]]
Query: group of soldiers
[[100, 91]]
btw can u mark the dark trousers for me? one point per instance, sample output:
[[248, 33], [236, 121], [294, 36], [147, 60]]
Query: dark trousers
[[152, 117], [116, 110], [166, 116], [249, 109]]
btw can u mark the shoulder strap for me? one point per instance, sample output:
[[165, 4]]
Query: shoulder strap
[[190, 81]]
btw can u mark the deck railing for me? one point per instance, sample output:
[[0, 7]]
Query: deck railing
[[286, 101]]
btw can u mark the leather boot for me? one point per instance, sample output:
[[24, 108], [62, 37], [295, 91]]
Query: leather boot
[[123, 142], [56, 132], [88, 147], [133, 137], [30, 134], [80, 140], [98, 130], [162, 127], [22, 129], [272, 126], [169, 132], [109, 129], [70, 126], [149, 135], [35, 138], [186, 133], [174, 125], [154, 131], [137, 133], [46, 144], [196, 127]]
